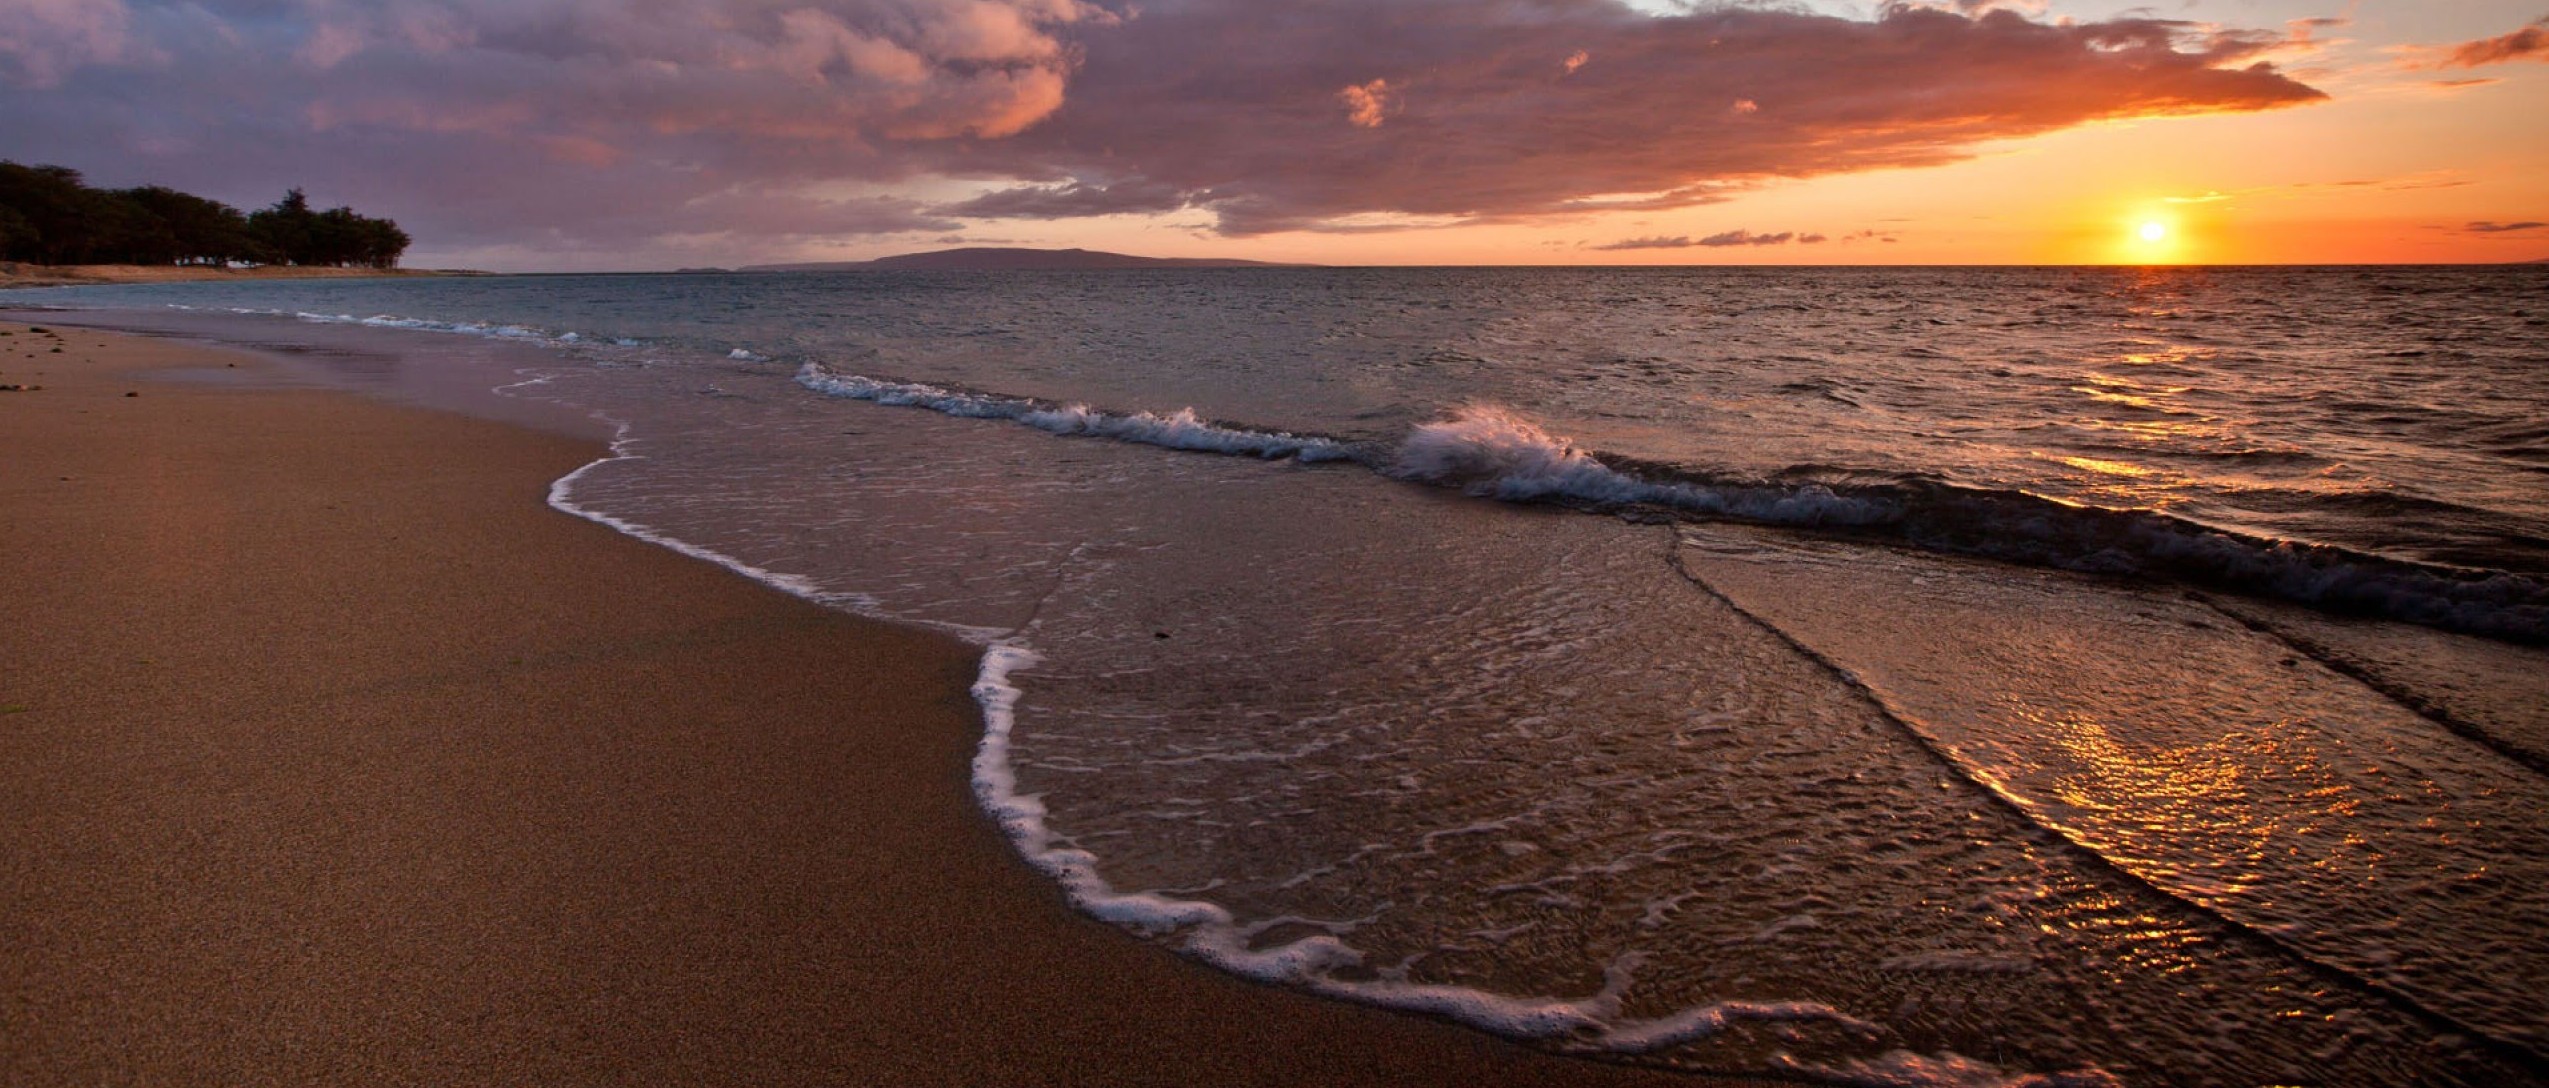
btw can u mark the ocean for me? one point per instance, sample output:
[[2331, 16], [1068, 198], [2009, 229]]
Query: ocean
[[1860, 676]]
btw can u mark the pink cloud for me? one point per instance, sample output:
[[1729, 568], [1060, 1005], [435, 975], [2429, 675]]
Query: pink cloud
[[43, 41], [607, 122], [329, 45], [1173, 99]]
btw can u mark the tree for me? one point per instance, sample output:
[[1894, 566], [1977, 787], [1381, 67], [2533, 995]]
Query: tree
[[197, 231], [50, 215], [47, 200], [15, 232], [285, 229], [337, 236]]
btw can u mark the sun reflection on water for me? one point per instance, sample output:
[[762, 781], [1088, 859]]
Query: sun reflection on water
[[2105, 468]]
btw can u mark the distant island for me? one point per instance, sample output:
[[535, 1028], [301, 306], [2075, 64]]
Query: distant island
[[991, 259]]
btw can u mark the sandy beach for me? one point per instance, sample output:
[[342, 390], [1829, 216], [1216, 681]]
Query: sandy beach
[[330, 755]]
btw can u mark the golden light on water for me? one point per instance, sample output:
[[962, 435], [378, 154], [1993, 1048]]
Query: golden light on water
[[2105, 468]]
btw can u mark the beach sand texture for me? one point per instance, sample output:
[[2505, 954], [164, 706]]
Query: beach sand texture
[[329, 755]]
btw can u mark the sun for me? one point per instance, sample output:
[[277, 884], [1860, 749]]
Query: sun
[[2148, 236]]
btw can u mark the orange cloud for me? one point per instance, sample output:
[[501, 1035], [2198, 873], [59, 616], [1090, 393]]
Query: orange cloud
[[1366, 105], [2528, 43]]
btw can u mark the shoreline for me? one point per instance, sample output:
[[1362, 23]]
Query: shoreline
[[14, 274], [330, 753]]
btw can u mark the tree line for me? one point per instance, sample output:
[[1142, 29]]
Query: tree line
[[50, 215]]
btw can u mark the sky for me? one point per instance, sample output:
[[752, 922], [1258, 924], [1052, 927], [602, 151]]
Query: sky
[[558, 135]]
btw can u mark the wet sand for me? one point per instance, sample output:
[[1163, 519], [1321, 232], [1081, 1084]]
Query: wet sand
[[330, 755]]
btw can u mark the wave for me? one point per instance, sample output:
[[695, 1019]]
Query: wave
[[1180, 430], [1497, 453], [489, 329], [1491, 451]]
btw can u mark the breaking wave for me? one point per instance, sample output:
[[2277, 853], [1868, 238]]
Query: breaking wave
[[1180, 430], [1492, 451], [493, 330], [1495, 452]]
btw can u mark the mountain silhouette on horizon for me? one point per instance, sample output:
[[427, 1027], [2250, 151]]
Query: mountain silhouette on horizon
[[1005, 259]]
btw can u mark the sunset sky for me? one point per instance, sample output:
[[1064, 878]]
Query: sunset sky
[[593, 134]]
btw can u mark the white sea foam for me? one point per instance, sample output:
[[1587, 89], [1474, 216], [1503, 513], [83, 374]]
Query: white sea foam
[[562, 498], [1495, 452], [1319, 962], [488, 329], [1180, 430]]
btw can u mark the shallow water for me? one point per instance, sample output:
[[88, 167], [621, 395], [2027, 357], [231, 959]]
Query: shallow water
[[1921, 677]]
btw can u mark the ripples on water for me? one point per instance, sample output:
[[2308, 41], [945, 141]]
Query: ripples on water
[[1996, 672]]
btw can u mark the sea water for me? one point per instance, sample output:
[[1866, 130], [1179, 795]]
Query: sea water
[[1939, 676]]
